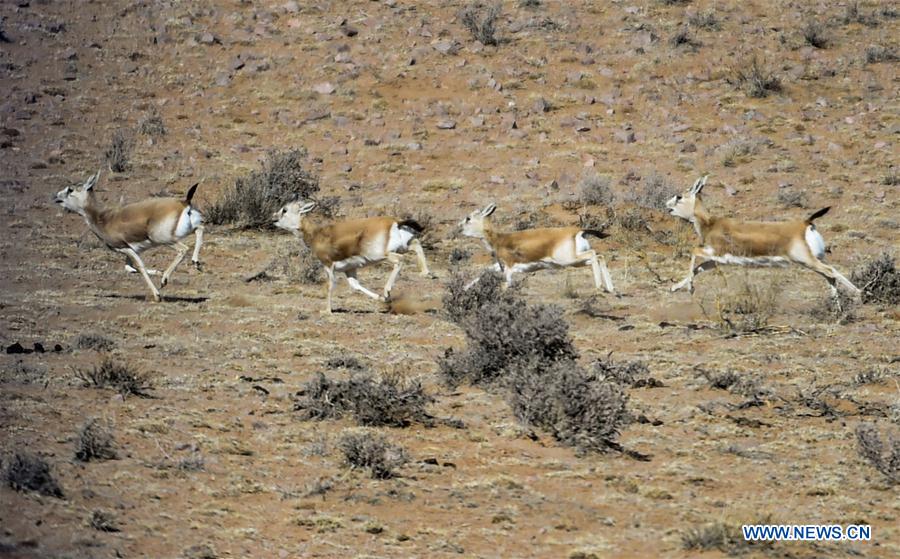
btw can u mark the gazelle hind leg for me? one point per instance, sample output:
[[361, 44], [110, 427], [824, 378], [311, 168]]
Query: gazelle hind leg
[[182, 250], [136, 260], [356, 286], [420, 257], [394, 259], [132, 270], [198, 242]]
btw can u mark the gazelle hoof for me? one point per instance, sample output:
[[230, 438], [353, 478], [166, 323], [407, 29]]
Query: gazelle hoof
[[197, 265]]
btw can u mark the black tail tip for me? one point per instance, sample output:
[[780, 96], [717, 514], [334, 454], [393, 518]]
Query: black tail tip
[[411, 224], [818, 214], [595, 233], [190, 193]]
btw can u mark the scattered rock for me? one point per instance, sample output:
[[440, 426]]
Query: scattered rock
[[207, 39], [446, 124], [446, 47], [291, 7], [324, 88]]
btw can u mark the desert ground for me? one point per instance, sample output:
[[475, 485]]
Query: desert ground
[[402, 111]]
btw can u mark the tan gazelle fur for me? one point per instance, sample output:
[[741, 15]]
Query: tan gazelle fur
[[346, 246], [752, 243], [133, 228], [537, 249]]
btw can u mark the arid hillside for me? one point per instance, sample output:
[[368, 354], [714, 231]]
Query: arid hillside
[[234, 419]]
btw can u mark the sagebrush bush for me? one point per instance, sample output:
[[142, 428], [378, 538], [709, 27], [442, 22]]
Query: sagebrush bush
[[814, 34], [152, 125], [704, 20], [879, 280], [577, 408], [28, 472], [883, 456], [118, 376], [118, 154], [481, 20], [252, 199], [525, 352], [386, 402], [626, 373], [748, 307], [372, 452], [652, 192], [755, 79], [92, 340], [95, 441], [594, 189]]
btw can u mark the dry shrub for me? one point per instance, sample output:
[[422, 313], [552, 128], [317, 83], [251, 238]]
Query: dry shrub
[[814, 34], [252, 199], [372, 452], [741, 150], [95, 441], [841, 309], [791, 198], [746, 308], [594, 189], [118, 376], [103, 521], [118, 154], [652, 192], [481, 21], [152, 125], [879, 280], [635, 374], [881, 53], [704, 20], [525, 352], [884, 456], [755, 79], [683, 38], [727, 538], [92, 340], [388, 402], [28, 472]]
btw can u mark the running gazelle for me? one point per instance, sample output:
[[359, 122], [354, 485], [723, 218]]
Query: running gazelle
[[752, 243], [133, 228], [346, 246], [537, 249]]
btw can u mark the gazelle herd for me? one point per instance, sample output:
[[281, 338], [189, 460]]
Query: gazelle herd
[[348, 245]]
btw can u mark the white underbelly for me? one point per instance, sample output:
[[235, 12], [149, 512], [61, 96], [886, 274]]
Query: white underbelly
[[754, 261], [353, 263], [526, 267]]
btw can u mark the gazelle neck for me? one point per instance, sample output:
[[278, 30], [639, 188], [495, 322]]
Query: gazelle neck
[[702, 221], [307, 230]]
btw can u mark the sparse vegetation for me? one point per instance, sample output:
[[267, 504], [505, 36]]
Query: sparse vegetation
[[103, 521], [95, 441], [706, 19], [118, 376], [386, 402], [652, 192], [152, 125], [883, 456], [92, 340], [791, 198], [814, 34], [372, 452], [879, 280], [252, 200], [594, 189], [840, 310], [625, 373], [746, 308], [684, 38], [726, 538], [29, 472], [118, 154], [880, 53], [525, 352], [480, 19], [740, 150], [755, 79]]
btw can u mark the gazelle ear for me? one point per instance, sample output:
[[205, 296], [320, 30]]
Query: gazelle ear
[[307, 207], [698, 186], [91, 182], [488, 210]]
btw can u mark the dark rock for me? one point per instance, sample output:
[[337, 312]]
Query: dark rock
[[38, 347], [17, 348]]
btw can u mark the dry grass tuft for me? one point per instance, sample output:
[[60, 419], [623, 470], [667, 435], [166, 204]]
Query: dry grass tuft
[[481, 21], [372, 452], [118, 376], [755, 79], [95, 441], [28, 472], [879, 280], [884, 456]]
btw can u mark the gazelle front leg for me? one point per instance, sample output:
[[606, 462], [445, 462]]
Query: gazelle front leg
[[420, 256], [701, 255], [132, 270], [136, 260], [198, 242], [394, 259], [329, 287], [355, 285], [182, 249]]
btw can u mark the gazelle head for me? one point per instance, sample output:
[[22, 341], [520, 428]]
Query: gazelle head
[[683, 205], [76, 198], [291, 214], [473, 224]]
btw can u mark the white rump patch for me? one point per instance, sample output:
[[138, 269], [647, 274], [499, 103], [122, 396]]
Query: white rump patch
[[581, 244], [815, 242], [398, 239], [189, 220]]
